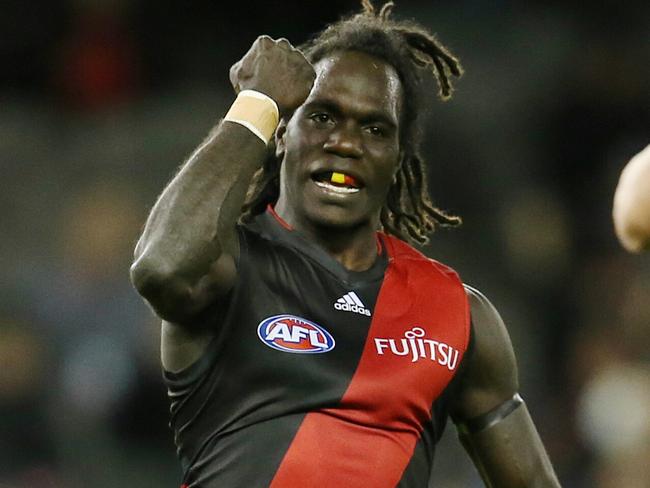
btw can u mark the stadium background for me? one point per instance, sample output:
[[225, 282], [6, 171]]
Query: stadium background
[[101, 100]]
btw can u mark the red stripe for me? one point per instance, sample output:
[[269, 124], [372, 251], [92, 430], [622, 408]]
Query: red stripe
[[379, 246], [369, 439], [280, 220]]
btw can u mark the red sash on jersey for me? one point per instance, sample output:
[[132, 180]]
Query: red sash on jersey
[[420, 329]]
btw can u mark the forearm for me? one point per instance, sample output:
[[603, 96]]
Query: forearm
[[185, 259], [193, 221]]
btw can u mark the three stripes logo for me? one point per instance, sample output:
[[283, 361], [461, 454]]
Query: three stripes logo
[[350, 302]]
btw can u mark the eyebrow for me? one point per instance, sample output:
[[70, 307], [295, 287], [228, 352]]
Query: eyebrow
[[335, 107]]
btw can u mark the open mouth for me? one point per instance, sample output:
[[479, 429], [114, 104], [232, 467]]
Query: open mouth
[[337, 182]]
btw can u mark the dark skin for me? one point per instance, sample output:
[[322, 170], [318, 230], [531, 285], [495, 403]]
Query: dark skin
[[348, 122]]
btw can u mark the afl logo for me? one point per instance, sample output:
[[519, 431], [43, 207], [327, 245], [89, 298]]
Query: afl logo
[[289, 333]]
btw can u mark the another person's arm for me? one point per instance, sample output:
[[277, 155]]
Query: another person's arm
[[493, 422], [632, 204]]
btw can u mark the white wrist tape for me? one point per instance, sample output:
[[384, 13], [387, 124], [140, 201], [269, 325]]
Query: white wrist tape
[[257, 112]]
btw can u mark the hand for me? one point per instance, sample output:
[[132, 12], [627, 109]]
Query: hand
[[277, 69]]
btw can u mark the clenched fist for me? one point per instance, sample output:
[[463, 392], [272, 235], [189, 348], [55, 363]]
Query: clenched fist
[[277, 69]]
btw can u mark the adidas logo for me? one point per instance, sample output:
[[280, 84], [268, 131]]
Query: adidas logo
[[350, 302]]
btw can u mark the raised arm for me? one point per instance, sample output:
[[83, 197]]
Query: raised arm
[[185, 258], [632, 204], [492, 420]]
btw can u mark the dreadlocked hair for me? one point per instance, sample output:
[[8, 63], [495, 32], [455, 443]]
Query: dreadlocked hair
[[408, 212]]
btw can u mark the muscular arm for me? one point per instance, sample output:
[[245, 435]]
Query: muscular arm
[[185, 258], [496, 430], [185, 255], [632, 204]]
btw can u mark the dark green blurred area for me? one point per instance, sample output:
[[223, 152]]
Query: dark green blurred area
[[101, 101]]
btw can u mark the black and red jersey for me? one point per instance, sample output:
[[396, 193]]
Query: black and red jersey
[[319, 376]]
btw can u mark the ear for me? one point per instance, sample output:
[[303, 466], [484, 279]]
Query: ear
[[279, 138]]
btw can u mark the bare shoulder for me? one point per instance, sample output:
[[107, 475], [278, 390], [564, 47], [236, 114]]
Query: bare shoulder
[[489, 375], [183, 343], [181, 347]]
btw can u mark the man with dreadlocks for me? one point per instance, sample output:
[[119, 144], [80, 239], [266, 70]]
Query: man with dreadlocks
[[304, 342]]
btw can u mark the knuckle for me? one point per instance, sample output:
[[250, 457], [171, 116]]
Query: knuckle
[[299, 62]]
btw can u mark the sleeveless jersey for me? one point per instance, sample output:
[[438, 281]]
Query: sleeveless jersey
[[319, 376]]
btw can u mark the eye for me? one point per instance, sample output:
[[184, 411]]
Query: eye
[[321, 118], [375, 130]]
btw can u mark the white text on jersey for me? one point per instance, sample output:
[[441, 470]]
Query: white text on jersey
[[414, 344], [350, 302]]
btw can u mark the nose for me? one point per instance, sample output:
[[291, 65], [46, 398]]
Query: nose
[[345, 141]]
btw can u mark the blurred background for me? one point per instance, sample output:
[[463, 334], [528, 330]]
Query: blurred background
[[101, 100]]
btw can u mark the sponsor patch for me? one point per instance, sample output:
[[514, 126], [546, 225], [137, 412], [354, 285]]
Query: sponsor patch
[[289, 333], [415, 345]]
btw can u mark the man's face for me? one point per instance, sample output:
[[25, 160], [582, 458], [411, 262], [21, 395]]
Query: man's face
[[341, 147]]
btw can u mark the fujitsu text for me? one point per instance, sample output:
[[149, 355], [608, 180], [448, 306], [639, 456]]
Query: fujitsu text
[[416, 346]]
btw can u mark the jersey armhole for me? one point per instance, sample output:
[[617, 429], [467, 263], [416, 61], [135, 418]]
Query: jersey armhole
[[195, 371], [441, 411], [192, 373], [462, 367]]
